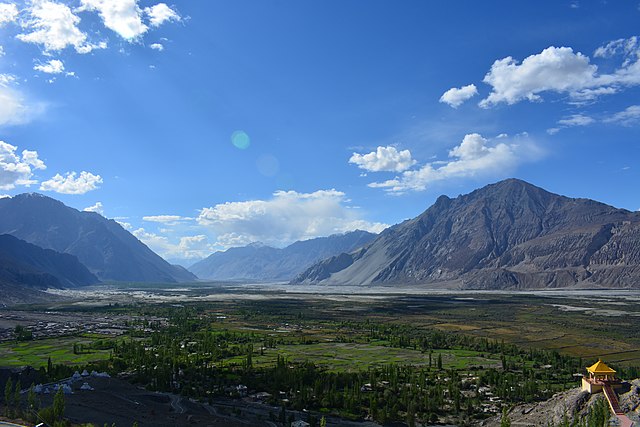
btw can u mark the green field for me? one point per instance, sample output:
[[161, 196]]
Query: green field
[[526, 320], [352, 357], [60, 349]]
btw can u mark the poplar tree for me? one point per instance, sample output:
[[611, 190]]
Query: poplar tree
[[8, 396]]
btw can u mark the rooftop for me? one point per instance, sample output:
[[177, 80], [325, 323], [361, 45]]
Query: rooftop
[[600, 368]]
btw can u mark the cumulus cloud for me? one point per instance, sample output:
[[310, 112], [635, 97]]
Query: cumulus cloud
[[54, 26], [124, 17], [72, 183], [556, 69], [16, 169], [8, 13], [457, 96], [54, 66], [563, 71], [384, 159], [628, 117], [97, 208], [161, 13], [286, 217], [157, 46], [475, 156], [186, 247]]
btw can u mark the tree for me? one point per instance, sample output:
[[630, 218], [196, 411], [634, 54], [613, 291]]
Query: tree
[[22, 333], [58, 404], [439, 361], [505, 421], [16, 398], [8, 396], [32, 402], [31, 397]]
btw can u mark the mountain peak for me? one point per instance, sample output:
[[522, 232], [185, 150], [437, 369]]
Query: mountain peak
[[504, 235]]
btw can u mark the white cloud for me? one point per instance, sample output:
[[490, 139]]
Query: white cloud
[[628, 117], [286, 217], [384, 159], [556, 69], [457, 96], [31, 158], [160, 13], [475, 156], [157, 46], [70, 184], [55, 26], [97, 208], [186, 247], [124, 17], [166, 219], [560, 70], [576, 120], [54, 66], [17, 169], [124, 224], [627, 47], [8, 13], [583, 96]]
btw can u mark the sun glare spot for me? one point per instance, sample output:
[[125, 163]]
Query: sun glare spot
[[240, 139]]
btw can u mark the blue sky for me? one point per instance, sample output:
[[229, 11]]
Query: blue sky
[[201, 125]]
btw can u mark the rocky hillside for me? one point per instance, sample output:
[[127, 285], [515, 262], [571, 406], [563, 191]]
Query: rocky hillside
[[574, 404], [263, 263], [508, 235], [102, 245]]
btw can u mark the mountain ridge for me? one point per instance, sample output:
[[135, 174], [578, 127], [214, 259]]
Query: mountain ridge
[[259, 262], [507, 235], [102, 245]]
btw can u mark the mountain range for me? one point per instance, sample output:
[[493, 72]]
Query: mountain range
[[108, 251], [508, 235], [262, 263]]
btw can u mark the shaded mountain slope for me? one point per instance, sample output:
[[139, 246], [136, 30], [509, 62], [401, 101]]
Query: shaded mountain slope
[[103, 246], [24, 264], [506, 235]]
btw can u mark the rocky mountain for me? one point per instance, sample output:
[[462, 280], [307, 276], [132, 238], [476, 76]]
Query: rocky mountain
[[24, 264], [102, 245], [26, 270], [508, 235], [264, 263]]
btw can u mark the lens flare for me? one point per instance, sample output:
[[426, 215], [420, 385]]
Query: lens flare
[[268, 165], [240, 139]]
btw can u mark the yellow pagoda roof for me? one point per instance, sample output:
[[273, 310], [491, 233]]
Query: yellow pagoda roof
[[600, 368]]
